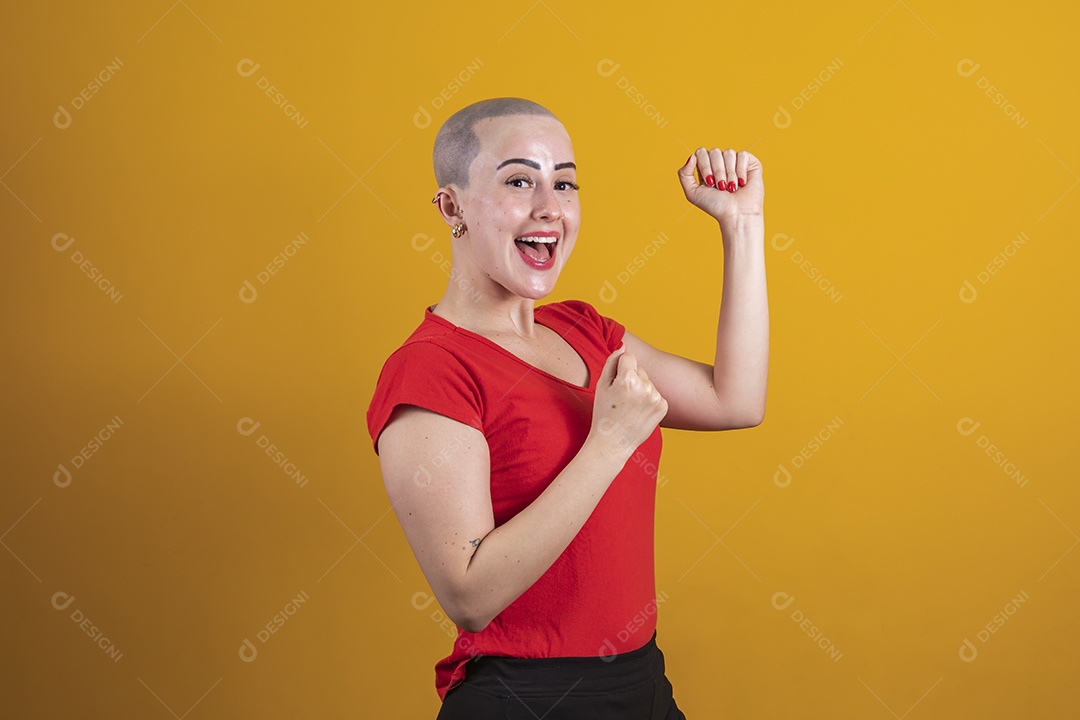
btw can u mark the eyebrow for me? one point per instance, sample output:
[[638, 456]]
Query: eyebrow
[[533, 164]]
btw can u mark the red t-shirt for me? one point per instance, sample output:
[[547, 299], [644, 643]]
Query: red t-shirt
[[598, 598]]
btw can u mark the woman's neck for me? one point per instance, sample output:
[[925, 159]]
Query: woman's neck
[[485, 315]]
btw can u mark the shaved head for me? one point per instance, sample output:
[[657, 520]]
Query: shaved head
[[457, 145]]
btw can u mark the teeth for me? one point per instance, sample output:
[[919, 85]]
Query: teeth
[[545, 240]]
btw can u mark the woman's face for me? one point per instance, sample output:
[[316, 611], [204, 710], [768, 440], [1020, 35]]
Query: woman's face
[[522, 195]]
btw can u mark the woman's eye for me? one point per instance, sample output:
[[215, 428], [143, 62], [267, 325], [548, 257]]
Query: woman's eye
[[524, 182]]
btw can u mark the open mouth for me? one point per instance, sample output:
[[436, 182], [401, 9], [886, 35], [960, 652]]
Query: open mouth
[[538, 251]]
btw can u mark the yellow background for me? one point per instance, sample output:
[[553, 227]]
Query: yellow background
[[898, 179]]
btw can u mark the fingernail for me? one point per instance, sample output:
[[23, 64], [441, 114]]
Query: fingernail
[[741, 182], [689, 159], [731, 186], [710, 180]]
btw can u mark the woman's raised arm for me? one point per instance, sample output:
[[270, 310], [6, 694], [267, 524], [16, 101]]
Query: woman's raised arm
[[729, 393]]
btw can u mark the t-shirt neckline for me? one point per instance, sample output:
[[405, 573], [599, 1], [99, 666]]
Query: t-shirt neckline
[[429, 315]]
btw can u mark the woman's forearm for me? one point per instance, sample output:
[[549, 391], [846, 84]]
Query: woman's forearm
[[740, 371], [514, 555]]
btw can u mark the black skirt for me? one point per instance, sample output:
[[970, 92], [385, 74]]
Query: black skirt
[[630, 686]]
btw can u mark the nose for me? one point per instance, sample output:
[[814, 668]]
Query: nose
[[546, 205]]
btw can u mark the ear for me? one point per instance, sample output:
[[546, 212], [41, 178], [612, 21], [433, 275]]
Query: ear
[[449, 206]]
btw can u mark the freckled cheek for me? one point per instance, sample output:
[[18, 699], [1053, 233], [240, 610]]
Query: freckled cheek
[[506, 216], [495, 220]]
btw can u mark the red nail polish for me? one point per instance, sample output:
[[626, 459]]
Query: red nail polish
[[710, 180], [689, 159], [741, 182], [731, 186]]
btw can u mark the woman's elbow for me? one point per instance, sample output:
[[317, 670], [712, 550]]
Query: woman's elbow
[[472, 625], [467, 615], [737, 413], [472, 622], [746, 418], [755, 418]]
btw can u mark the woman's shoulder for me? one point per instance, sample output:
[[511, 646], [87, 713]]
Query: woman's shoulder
[[570, 308], [432, 343], [429, 345], [582, 314], [431, 356], [429, 371]]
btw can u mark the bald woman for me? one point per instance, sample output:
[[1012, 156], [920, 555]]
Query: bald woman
[[519, 443]]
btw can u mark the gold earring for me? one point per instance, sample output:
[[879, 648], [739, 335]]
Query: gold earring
[[458, 230]]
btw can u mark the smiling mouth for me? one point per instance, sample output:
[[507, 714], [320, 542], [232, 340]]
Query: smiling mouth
[[540, 250]]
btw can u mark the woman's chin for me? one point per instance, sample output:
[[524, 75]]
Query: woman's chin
[[539, 288], [533, 285]]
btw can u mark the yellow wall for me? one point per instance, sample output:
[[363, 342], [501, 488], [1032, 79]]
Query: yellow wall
[[913, 482]]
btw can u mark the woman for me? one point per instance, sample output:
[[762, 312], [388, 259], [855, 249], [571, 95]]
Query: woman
[[518, 444]]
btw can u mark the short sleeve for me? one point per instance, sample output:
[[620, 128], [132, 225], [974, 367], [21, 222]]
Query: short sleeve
[[430, 377]]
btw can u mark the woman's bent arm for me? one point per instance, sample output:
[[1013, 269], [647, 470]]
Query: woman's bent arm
[[437, 475], [475, 569]]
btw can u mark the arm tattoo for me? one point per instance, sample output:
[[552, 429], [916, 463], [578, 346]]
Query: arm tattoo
[[475, 543]]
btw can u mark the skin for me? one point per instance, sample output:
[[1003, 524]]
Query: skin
[[495, 213], [475, 569]]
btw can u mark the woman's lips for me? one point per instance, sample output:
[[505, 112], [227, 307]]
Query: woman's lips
[[537, 250]]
